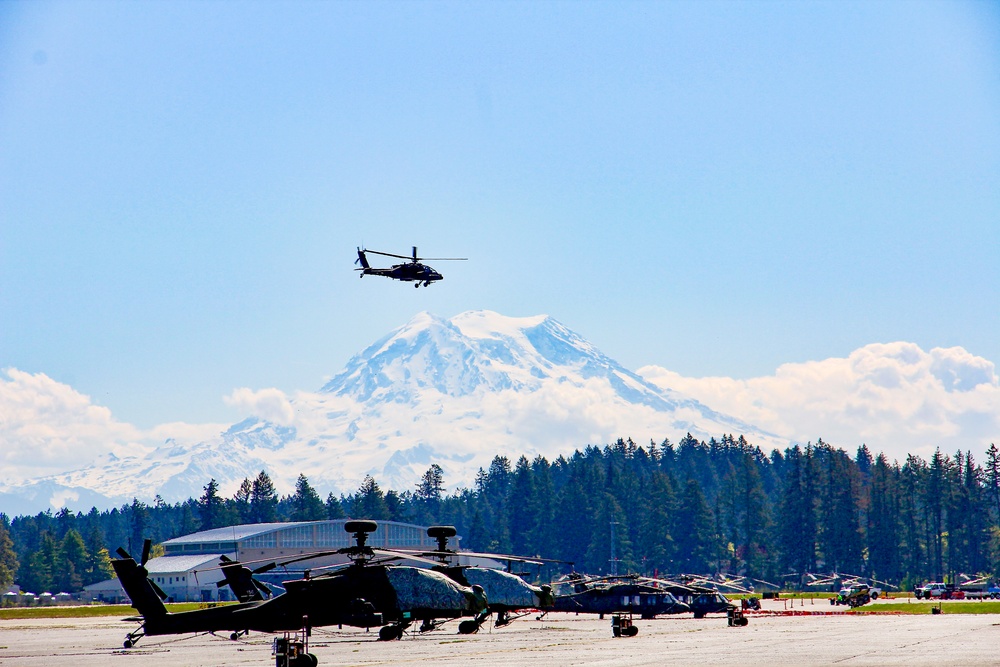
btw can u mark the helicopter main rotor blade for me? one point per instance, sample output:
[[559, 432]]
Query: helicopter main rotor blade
[[406, 555], [389, 254], [414, 258], [477, 554]]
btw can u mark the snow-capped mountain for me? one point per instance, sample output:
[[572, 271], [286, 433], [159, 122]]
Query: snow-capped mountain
[[453, 392]]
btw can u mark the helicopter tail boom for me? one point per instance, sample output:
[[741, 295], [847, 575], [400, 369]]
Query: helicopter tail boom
[[133, 578]]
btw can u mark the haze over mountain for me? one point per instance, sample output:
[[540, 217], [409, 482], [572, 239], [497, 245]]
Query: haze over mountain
[[453, 392]]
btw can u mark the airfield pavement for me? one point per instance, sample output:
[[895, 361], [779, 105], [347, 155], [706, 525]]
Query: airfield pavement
[[555, 641]]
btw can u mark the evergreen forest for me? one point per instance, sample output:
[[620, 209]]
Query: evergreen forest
[[721, 506]]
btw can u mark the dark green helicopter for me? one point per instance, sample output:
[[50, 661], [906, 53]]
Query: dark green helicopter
[[363, 593], [411, 271]]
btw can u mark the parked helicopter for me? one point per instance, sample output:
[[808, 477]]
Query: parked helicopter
[[615, 595], [411, 271], [506, 593], [364, 593], [705, 596]]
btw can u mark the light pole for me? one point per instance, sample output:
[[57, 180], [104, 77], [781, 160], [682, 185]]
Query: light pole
[[614, 561]]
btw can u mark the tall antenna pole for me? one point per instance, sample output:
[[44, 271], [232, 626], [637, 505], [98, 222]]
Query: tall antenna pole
[[614, 561]]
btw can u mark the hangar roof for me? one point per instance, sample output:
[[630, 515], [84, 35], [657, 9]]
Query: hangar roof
[[172, 564], [229, 533]]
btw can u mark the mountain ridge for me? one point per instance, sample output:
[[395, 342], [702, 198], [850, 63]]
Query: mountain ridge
[[449, 391]]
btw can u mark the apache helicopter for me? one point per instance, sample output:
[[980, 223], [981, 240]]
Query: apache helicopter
[[615, 595], [506, 592], [364, 593], [411, 271]]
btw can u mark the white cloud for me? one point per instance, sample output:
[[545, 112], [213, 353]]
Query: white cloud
[[47, 427], [269, 404], [894, 397]]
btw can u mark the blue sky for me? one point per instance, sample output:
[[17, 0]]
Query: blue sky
[[712, 188]]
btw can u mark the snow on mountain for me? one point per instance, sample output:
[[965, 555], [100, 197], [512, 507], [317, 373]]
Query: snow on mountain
[[453, 392]]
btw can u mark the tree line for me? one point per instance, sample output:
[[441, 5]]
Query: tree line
[[721, 506]]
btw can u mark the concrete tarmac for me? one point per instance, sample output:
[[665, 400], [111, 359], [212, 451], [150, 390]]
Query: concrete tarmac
[[557, 640]]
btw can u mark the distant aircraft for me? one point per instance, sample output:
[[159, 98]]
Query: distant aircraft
[[411, 271]]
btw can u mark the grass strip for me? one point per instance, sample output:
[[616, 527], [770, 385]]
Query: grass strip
[[88, 611]]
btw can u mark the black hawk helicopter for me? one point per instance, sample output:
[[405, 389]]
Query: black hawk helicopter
[[411, 271], [506, 592], [619, 594], [364, 593]]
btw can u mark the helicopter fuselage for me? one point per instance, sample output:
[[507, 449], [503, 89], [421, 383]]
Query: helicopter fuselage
[[408, 272]]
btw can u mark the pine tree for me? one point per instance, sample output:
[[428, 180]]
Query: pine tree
[[72, 563], [187, 523], [241, 501], [840, 536], [573, 520], [263, 500], [429, 492], [521, 505], [39, 572], [610, 549], [695, 536], [334, 508], [541, 509], [655, 545], [883, 522], [992, 478], [8, 557], [100, 567], [370, 501], [935, 501], [749, 513], [306, 503], [210, 506], [797, 525], [139, 522]]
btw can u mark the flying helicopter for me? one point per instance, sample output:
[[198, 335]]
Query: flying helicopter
[[410, 271], [506, 592], [365, 592]]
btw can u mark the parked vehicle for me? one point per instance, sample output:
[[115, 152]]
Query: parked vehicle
[[853, 596], [933, 590]]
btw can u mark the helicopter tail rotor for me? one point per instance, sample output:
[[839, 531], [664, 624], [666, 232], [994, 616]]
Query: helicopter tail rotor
[[362, 260]]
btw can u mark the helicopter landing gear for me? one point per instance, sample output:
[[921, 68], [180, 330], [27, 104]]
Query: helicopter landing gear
[[238, 634], [133, 637], [472, 626], [503, 618], [416, 285], [468, 628], [387, 633], [428, 624], [427, 283]]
